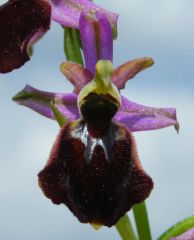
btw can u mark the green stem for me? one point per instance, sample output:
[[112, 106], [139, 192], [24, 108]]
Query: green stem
[[58, 115], [125, 229], [142, 221], [30, 51], [72, 45], [178, 228]]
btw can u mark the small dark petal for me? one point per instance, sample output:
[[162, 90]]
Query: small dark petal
[[76, 74], [99, 179], [22, 22], [128, 70]]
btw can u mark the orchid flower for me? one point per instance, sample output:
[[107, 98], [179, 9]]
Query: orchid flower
[[94, 167], [23, 22], [89, 168]]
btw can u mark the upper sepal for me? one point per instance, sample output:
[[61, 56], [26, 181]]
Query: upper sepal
[[21, 24], [67, 12], [96, 36]]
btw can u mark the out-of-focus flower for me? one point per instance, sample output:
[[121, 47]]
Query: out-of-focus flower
[[188, 235], [23, 22]]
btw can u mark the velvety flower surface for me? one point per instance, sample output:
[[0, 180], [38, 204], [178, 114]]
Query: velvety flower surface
[[99, 179], [23, 22], [94, 168]]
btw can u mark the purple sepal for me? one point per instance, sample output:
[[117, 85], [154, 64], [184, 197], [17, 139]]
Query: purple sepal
[[188, 235], [134, 116], [137, 117], [21, 24], [67, 12], [97, 40], [40, 101]]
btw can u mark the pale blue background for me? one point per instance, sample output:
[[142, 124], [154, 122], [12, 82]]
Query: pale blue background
[[161, 29]]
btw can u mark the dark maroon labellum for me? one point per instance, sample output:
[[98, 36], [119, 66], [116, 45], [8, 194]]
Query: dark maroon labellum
[[21, 21], [97, 174]]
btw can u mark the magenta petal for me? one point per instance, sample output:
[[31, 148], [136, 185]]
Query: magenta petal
[[67, 12], [21, 23], [39, 101], [137, 117], [97, 40]]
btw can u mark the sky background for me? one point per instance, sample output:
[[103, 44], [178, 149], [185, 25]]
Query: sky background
[[160, 29]]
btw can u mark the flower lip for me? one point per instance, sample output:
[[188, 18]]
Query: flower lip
[[99, 179]]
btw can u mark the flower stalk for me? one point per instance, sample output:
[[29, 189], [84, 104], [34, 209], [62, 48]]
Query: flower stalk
[[142, 221], [72, 45], [58, 115], [125, 229]]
